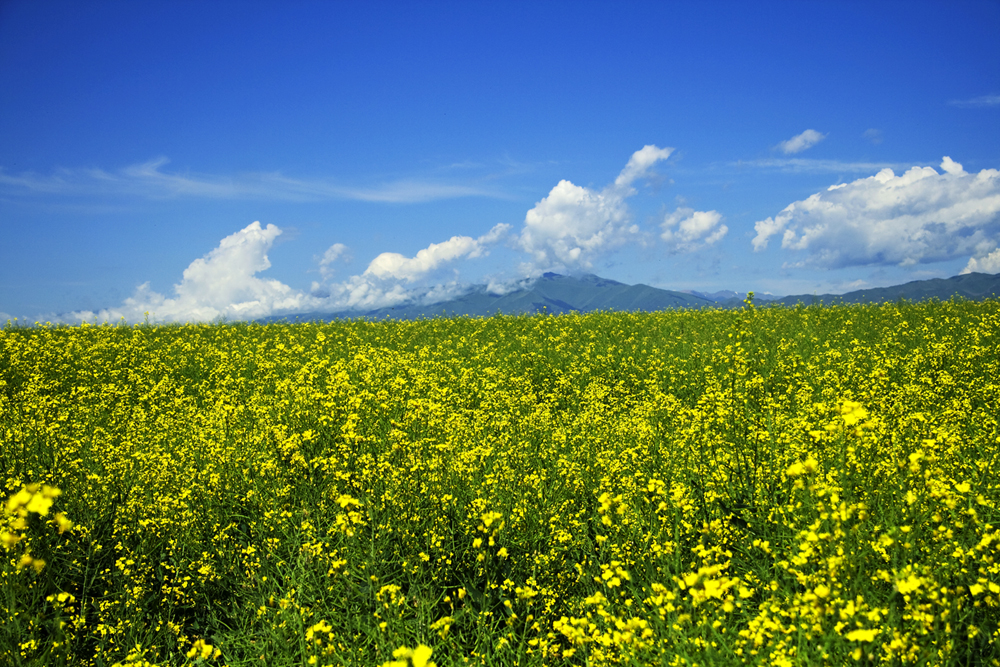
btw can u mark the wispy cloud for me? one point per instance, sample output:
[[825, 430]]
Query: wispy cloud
[[801, 142], [873, 135], [807, 165], [338, 251], [149, 180], [977, 102]]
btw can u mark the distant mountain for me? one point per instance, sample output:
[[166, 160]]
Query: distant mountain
[[551, 293], [554, 293], [972, 286], [728, 294]]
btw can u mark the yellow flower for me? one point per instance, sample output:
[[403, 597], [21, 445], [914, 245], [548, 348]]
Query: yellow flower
[[421, 656], [852, 412], [41, 502], [795, 470], [26, 559], [442, 625], [63, 522], [200, 650], [861, 635], [19, 500], [345, 501], [908, 585]]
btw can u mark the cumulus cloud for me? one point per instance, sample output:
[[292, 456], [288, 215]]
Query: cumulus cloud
[[573, 225], [918, 216], [801, 142], [365, 293], [222, 284], [985, 264], [392, 265], [686, 229], [392, 278]]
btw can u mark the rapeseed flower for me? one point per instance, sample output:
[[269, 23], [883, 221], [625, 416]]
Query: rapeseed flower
[[765, 486]]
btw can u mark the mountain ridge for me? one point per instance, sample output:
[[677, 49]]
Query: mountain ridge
[[554, 293], [971, 286]]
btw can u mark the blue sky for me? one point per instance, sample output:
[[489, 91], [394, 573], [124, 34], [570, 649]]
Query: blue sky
[[403, 151]]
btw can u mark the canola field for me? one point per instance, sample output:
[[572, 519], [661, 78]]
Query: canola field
[[772, 486]]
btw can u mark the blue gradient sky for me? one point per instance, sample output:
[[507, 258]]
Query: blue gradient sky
[[136, 137]]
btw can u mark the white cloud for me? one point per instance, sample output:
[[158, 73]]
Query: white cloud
[[149, 180], [985, 264], [918, 216], [851, 285], [640, 163], [332, 254], [573, 225], [499, 286], [392, 278], [223, 283], [801, 142], [685, 229], [366, 293], [568, 228], [976, 102], [392, 265], [951, 167]]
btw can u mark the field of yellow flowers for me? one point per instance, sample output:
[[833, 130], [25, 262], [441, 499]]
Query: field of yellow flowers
[[786, 486]]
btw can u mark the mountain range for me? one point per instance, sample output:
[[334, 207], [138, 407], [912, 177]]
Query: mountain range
[[555, 293], [971, 286]]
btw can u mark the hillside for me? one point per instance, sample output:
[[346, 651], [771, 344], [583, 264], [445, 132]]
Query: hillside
[[555, 293], [551, 293], [972, 286]]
